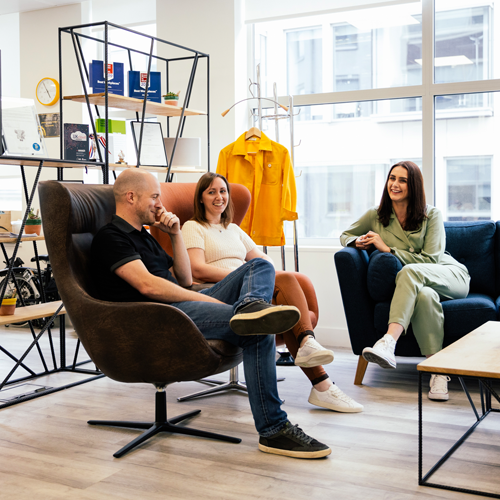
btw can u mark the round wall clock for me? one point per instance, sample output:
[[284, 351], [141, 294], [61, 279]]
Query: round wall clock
[[47, 91]]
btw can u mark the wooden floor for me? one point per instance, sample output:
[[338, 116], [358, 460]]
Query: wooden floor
[[47, 450]]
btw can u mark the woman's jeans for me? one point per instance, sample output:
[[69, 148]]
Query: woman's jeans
[[252, 281]]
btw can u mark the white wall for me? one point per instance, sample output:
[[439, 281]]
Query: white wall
[[9, 45], [215, 28]]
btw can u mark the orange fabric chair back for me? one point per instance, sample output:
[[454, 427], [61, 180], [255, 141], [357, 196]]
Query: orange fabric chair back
[[178, 197]]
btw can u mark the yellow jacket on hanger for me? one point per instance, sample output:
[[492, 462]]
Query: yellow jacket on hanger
[[264, 167]]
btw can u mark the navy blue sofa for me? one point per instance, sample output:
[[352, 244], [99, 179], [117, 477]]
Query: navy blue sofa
[[367, 283]]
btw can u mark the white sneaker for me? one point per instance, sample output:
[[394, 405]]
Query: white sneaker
[[382, 352], [334, 399], [312, 353], [439, 388]]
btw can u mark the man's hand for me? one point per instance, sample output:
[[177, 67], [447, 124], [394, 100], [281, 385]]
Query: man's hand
[[167, 221], [372, 238]]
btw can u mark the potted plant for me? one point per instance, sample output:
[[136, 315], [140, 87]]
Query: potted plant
[[33, 223], [8, 305], [171, 98]]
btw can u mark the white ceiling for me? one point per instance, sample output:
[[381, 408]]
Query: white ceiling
[[12, 6]]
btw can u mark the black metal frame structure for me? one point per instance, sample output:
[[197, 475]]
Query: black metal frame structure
[[76, 36], [486, 391], [84, 75]]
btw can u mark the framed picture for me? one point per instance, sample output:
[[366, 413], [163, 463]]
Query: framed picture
[[21, 129], [153, 148], [51, 124]]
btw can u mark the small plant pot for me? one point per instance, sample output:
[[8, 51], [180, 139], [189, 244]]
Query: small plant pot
[[171, 101], [33, 226], [8, 307]]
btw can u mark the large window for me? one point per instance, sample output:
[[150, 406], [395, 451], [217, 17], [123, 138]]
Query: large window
[[338, 65]]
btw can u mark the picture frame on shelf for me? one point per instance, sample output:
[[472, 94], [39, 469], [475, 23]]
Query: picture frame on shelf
[[22, 134], [153, 152]]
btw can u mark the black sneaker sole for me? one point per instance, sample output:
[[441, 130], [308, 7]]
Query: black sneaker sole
[[372, 357], [270, 321], [295, 454]]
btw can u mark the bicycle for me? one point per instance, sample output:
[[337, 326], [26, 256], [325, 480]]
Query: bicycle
[[32, 287]]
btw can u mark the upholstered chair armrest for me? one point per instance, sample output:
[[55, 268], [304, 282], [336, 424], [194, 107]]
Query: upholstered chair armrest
[[352, 267]]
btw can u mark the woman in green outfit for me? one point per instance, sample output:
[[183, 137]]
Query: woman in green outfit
[[414, 232]]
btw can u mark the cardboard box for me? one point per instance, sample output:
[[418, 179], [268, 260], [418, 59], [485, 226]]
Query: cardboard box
[[5, 221]]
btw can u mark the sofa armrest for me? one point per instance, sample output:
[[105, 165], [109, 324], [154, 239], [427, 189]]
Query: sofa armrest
[[352, 267]]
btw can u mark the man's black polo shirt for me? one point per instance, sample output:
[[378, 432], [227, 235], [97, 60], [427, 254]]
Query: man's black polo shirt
[[116, 244]]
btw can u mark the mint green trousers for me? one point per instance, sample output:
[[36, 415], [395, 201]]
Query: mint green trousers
[[416, 300]]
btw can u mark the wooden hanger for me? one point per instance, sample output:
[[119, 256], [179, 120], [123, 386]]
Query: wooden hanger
[[253, 132]]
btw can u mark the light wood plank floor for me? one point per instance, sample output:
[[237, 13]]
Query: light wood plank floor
[[47, 450]]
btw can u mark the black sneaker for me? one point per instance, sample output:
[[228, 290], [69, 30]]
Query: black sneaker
[[261, 318], [292, 441]]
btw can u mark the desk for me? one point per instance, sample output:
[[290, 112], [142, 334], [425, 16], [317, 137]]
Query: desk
[[477, 356]]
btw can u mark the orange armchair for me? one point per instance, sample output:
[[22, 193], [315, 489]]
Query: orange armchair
[[178, 199]]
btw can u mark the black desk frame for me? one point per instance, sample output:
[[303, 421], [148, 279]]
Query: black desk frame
[[486, 391]]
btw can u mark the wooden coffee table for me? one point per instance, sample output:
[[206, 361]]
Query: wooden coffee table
[[477, 356]]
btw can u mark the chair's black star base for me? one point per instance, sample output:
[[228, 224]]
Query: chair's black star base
[[285, 359], [161, 425]]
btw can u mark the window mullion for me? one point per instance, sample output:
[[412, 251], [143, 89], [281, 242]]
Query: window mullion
[[428, 156]]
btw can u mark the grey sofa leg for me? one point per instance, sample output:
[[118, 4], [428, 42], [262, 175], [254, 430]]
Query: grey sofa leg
[[360, 370]]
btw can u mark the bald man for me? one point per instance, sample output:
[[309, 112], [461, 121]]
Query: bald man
[[129, 265]]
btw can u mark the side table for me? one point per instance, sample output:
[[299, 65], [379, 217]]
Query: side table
[[476, 356]]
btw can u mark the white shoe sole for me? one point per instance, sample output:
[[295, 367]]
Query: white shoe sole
[[271, 321], [438, 397], [317, 358], [295, 454], [372, 357], [342, 409]]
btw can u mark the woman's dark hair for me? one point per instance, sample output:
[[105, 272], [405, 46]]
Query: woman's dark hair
[[415, 213], [199, 209]]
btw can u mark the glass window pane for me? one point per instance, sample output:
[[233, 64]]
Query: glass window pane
[[341, 164], [357, 49], [463, 41], [466, 168]]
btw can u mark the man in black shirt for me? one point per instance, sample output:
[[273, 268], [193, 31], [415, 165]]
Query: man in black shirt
[[129, 265]]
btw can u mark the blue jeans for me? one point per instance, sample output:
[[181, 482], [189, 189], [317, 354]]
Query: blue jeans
[[252, 281]]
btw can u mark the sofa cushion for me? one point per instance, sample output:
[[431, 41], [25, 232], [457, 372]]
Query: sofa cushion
[[381, 275], [472, 243]]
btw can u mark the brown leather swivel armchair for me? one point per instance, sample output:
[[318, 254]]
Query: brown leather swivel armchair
[[178, 199], [129, 342]]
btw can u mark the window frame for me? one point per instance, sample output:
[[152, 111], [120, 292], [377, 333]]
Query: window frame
[[427, 91]]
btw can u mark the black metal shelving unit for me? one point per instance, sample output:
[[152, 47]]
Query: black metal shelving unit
[[103, 163], [195, 55]]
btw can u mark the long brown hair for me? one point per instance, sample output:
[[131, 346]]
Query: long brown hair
[[199, 209], [416, 210]]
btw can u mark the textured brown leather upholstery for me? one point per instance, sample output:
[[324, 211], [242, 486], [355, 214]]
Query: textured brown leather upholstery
[[129, 342]]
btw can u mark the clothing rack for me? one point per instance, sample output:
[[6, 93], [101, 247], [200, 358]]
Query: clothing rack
[[288, 114]]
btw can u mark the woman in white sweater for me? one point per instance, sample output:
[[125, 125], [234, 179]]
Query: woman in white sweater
[[216, 247]]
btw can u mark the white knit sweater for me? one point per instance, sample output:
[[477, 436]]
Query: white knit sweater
[[224, 248]]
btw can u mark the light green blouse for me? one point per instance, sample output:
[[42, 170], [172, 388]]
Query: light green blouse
[[425, 245]]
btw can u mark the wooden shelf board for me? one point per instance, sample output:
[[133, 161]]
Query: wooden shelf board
[[27, 313], [47, 162], [24, 238], [132, 104], [150, 168]]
